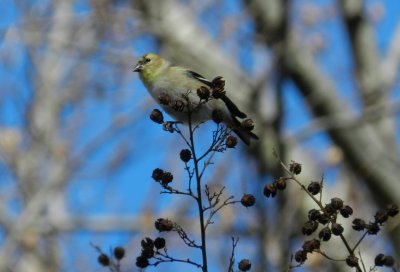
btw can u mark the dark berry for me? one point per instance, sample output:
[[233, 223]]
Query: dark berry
[[167, 178], [244, 265], [119, 253], [314, 187], [203, 93], [159, 242], [337, 229], [325, 234], [185, 155], [336, 203], [311, 245], [147, 243], [380, 259], [103, 259], [280, 184], [270, 190], [309, 227], [157, 174], [231, 141], [248, 200], [157, 116], [352, 261], [359, 224], [323, 219], [178, 105], [300, 256], [381, 217], [313, 214], [295, 168], [346, 211], [373, 228], [142, 262], [164, 224]]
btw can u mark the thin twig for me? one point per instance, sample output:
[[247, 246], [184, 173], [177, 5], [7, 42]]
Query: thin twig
[[232, 258]]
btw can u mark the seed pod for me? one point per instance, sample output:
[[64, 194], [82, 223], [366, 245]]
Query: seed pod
[[119, 252], [373, 228], [381, 217], [248, 200], [231, 141], [147, 243], [203, 93], [142, 262], [309, 227], [295, 168], [311, 245], [244, 265], [159, 243], [270, 190], [352, 261], [280, 184], [157, 174], [380, 259], [325, 234], [346, 211], [218, 85], [337, 229], [314, 187], [185, 155], [167, 178], [359, 224], [178, 105], [336, 203], [300, 256], [164, 225], [103, 259], [157, 116]]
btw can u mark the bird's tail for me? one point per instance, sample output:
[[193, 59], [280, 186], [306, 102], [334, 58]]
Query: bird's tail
[[245, 135]]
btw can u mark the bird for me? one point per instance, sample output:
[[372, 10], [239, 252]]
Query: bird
[[176, 87]]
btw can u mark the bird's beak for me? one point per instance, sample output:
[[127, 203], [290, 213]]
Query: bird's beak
[[137, 68]]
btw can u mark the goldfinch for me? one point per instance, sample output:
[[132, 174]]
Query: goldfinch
[[177, 89]]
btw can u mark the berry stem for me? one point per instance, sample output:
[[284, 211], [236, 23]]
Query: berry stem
[[199, 195]]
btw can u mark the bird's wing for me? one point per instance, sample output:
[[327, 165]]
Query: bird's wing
[[199, 77], [234, 110]]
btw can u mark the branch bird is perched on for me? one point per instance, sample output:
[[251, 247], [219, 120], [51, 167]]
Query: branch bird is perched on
[[168, 85]]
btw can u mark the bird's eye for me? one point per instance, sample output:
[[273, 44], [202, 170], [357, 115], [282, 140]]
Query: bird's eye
[[146, 60]]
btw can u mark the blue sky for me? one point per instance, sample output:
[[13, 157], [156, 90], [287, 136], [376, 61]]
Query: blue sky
[[126, 191]]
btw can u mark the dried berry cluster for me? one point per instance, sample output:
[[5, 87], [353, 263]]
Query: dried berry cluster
[[162, 177], [379, 219], [324, 220], [270, 190], [326, 217], [150, 249], [111, 261], [384, 260]]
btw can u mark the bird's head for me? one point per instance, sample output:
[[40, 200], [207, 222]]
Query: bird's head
[[149, 63]]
